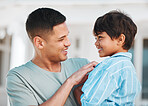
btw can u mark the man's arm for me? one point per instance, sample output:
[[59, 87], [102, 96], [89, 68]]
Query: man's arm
[[60, 97]]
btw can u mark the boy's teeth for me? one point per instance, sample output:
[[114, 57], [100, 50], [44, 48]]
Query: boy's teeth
[[100, 49]]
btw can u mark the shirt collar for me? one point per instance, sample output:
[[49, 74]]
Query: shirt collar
[[123, 54]]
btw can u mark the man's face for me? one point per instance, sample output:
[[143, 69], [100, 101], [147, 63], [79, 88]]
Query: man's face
[[57, 43]]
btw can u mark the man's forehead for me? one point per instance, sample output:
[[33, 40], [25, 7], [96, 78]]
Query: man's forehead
[[58, 35], [60, 29]]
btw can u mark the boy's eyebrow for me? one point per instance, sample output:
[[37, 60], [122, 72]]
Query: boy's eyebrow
[[95, 33], [99, 33]]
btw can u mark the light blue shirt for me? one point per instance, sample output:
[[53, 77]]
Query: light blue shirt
[[113, 82], [31, 85]]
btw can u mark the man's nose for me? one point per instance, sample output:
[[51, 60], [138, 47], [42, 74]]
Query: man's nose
[[67, 43]]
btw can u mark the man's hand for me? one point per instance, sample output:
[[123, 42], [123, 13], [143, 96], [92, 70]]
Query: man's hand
[[79, 76], [60, 97]]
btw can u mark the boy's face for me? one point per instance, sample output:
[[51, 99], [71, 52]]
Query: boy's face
[[107, 46]]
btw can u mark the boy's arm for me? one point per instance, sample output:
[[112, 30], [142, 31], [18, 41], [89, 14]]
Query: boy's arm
[[100, 91], [78, 93]]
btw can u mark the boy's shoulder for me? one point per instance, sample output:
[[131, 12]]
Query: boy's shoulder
[[116, 62], [119, 57]]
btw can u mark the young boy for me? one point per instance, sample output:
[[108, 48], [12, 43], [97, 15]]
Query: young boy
[[114, 80]]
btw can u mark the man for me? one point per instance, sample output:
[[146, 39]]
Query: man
[[48, 79]]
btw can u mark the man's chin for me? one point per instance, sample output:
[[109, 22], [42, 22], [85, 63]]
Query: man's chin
[[65, 58]]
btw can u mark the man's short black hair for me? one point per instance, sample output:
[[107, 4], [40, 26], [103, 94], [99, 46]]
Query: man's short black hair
[[115, 23], [43, 20]]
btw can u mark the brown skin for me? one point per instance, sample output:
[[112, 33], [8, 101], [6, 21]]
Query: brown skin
[[78, 92], [108, 46], [49, 53]]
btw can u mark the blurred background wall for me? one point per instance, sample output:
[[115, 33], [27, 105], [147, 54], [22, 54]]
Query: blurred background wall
[[16, 49]]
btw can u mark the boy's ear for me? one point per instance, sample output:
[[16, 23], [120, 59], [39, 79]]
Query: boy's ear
[[121, 39], [38, 42]]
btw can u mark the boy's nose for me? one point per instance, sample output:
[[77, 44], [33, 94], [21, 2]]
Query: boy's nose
[[97, 44]]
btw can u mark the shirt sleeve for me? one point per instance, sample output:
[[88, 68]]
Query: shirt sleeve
[[98, 89], [19, 94]]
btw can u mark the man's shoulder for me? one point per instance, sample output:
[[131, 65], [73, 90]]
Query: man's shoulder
[[71, 65], [77, 60], [18, 69]]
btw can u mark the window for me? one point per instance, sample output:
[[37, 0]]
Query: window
[[145, 70]]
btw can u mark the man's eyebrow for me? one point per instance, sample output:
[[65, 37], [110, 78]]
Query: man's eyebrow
[[63, 36]]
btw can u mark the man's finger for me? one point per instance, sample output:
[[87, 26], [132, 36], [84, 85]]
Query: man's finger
[[91, 64]]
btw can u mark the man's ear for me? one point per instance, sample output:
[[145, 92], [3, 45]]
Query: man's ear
[[38, 42], [121, 39]]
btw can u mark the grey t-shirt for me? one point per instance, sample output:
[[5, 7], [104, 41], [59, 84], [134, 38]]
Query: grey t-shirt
[[30, 85]]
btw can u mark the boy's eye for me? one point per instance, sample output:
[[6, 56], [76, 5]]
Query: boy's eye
[[99, 37], [96, 38]]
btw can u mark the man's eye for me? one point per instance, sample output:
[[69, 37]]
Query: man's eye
[[95, 38], [61, 39]]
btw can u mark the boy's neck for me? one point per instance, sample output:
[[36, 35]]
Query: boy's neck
[[123, 50]]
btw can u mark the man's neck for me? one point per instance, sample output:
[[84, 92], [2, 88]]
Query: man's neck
[[47, 65]]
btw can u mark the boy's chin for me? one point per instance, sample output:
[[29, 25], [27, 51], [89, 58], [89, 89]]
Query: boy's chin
[[102, 55]]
